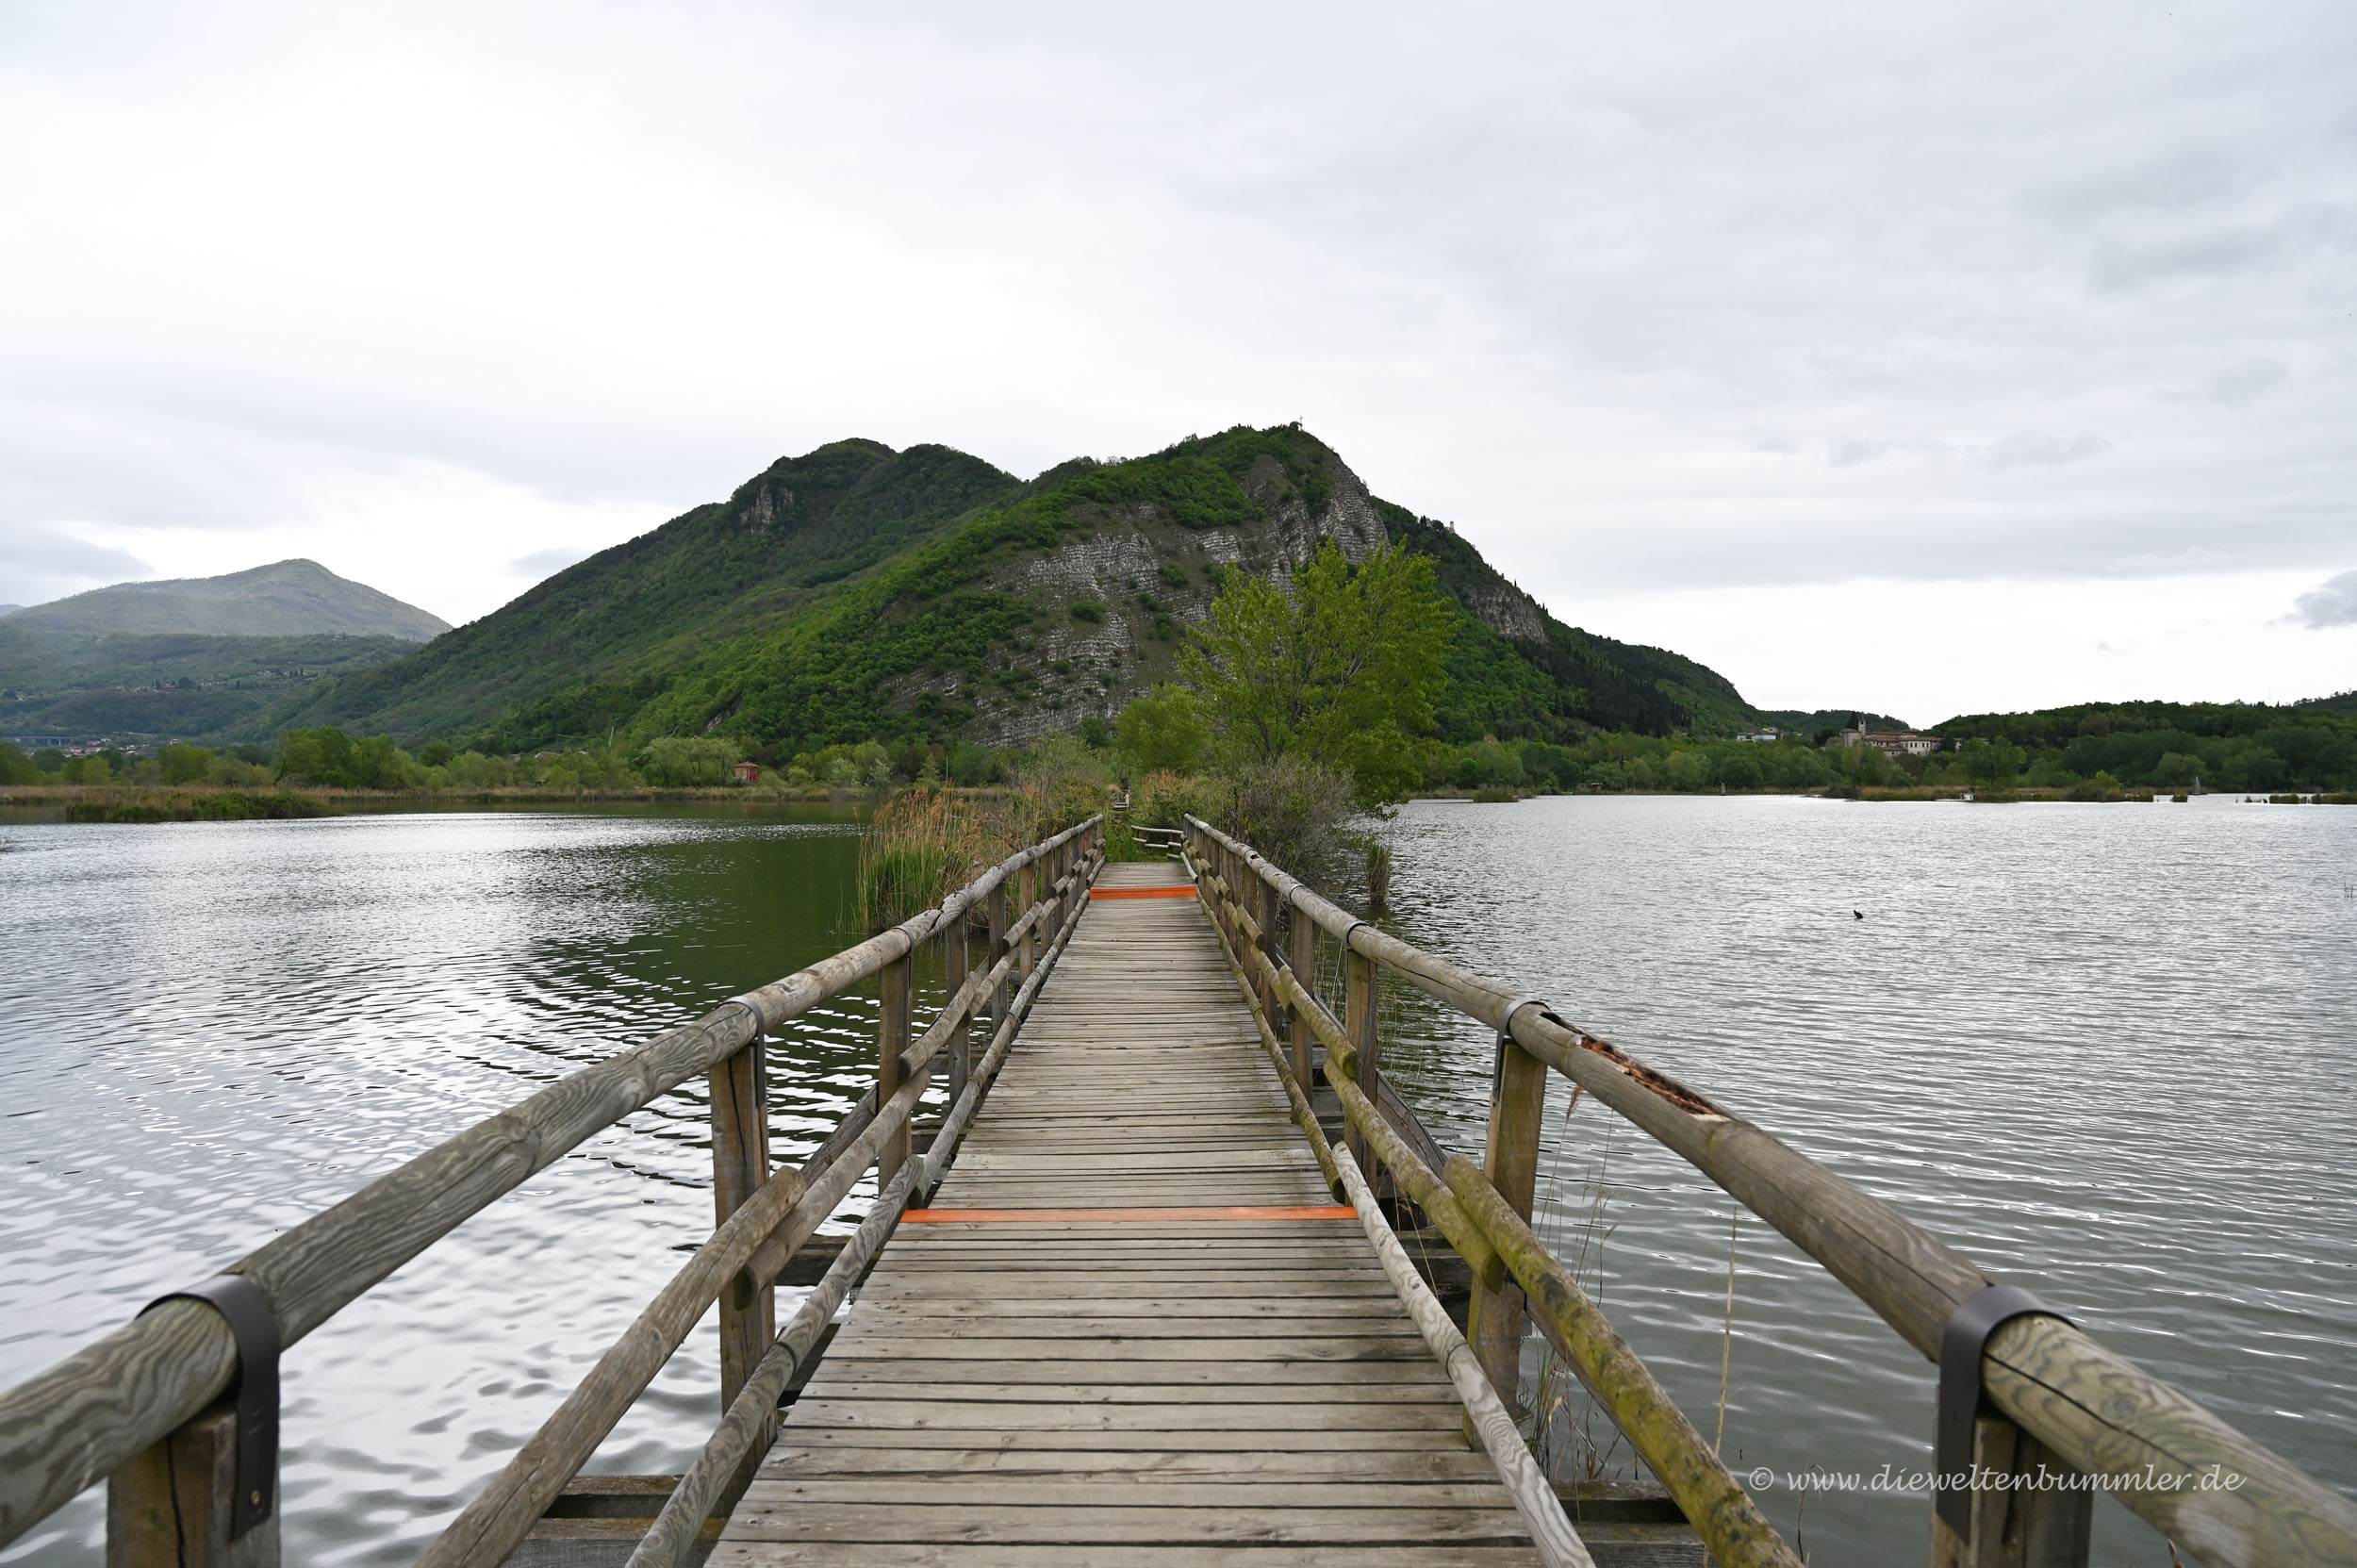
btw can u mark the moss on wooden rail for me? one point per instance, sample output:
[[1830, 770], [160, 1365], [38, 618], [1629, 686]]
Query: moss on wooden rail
[[2092, 1407]]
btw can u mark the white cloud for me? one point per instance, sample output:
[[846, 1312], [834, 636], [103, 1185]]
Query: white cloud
[[2240, 386], [2004, 281], [2333, 604], [547, 563], [41, 563]]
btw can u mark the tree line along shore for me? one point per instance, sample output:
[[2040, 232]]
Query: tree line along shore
[[1299, 706]]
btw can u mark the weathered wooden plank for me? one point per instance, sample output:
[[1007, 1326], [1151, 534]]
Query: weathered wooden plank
[[777, 1553], [1350, 1466], [1112, 1525], [1337, 1376], [854, 1341], [1017, 1385], [944, 1490], [1328, 1396]]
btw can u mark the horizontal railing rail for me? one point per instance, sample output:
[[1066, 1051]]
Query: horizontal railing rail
[[144, 1388], [2062, 1399]]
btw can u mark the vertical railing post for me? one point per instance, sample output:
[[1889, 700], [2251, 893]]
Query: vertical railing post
[[1264, 910], [2021, 1525], [740, 1163], [1305, 967], [1518, 1099], [953, 973], [1361, 989], [893, 1034], [997, 951], [170, 1506], [1026, 894]]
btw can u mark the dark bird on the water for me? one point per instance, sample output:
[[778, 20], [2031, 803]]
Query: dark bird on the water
[[1859, 913]]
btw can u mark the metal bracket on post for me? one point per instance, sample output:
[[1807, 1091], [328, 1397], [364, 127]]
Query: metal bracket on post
[[254, 1325], [1506, 1033], [1962, 1342]]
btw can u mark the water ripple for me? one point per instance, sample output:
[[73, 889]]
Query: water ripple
[[2106, 1052]]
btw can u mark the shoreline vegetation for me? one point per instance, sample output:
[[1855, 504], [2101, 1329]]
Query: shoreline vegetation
[[1303, 715], [162, 803]]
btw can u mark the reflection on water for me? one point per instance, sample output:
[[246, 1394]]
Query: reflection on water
[[210, 1031], [2108, 1053]]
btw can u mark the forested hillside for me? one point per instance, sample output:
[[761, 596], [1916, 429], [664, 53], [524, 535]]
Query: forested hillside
[[856, 594], [648, 606], [2168, 745]]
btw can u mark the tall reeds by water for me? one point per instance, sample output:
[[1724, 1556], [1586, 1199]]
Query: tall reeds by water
[[928, 841]]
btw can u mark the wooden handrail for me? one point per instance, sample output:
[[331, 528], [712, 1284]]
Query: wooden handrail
[[85, 1417], [674, 1532], [2093, 1407], [1711, 1498]]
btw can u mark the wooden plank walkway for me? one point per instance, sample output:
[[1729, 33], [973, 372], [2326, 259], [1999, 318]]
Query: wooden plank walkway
[[1097, 1388]]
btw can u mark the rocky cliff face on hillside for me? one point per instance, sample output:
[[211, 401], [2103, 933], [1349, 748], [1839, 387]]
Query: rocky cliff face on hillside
[[858, 593]]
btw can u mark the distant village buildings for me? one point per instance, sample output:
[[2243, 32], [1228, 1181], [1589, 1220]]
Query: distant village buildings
[[1898, 743]]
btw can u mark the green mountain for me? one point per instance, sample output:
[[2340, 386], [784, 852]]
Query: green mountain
[[630, 617], [285, 598], [170, 685], [193, 657], [1801, 721], [858, 593]]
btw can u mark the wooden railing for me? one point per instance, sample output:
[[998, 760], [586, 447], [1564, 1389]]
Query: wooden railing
[[2055, 1408], [145, 1408]]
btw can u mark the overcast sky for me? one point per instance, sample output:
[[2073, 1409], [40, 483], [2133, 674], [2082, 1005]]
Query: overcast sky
[[1931, 359]]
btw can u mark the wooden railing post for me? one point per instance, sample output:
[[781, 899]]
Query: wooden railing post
[[997, 951], [894, 1030], [2027, 1525], [953, 972], [1517, 1103], [1026, 894], [170, 1506], [1264, 910], [1362, 987], [740, 1163], [1305, 967]]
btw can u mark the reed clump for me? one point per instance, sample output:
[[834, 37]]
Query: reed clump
[[922, 845], [928, 841]]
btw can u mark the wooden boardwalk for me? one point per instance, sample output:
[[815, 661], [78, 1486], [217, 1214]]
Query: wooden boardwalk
[[1074, 1374]]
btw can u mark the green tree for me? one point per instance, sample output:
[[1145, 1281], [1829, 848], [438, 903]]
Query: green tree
[[320, 756], [1164, 729], [1336, 670], [1688, 768], [1990, 764], [1867, 764], [15, 767], [681, 762], [184, 764]]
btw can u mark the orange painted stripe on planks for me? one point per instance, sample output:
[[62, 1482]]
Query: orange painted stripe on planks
[[1140, 891], [1124, 1216]]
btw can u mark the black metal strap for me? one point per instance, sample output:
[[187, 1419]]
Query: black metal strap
[[1961, 1344], [253, 1324], [1505, 1032]]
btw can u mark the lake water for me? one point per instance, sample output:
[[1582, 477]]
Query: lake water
[[2110, 1053]]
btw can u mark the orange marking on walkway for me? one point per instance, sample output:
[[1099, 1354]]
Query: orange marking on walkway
[[1141, 893], [1125, 1216]]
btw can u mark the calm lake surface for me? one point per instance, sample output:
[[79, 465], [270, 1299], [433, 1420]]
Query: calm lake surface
[[2110, 1053]]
